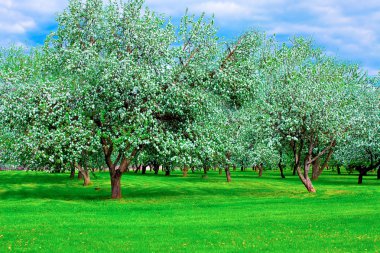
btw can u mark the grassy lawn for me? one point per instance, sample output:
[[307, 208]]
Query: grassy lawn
[[42, 212]]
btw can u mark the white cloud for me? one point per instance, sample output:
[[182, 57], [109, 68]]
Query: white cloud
[[349, 28], [227, 10]]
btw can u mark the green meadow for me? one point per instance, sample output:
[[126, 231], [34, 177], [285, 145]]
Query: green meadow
[[41, 212]]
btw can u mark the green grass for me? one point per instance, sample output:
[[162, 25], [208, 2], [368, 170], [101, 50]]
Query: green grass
[[42, 212]]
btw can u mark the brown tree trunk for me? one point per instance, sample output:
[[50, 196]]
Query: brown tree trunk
[[204, 169], [242, 168], [86, 178], [228, 173], [80, 175], [83, 174], [185, 170], [167, 171], [115, 183], [378, 173], [72, 173], [305, 178], [220, 171], [156, 168], [360, 179], [143, 169], [234, 167], [338, 169], [315, 169], [138, 168], [260, 169]]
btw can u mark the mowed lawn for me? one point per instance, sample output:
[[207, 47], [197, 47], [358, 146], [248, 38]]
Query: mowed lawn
[[41, 212]]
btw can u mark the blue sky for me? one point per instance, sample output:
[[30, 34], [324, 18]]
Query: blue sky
[[349, 29]]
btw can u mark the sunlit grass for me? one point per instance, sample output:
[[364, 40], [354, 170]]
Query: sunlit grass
[[42, 212]]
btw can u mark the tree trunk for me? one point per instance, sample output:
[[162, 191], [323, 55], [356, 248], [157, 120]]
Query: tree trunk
[[305, 178], [86, 178], [242, 168], [156, 168], [80, 175], [220, 171], [360, 179], [228, 173], [260, 169], [281, 166], [115, 183], [72, 173], [185, 170], [83, 174], [167, 171], [143, 169], [138, 168], [204, 169], [315, 169], [338, 169], [234, 167], [378, 173], [294, 170]]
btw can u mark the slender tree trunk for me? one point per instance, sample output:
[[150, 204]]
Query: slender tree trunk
[[205, 171], [361, 174], [305, 178], [220, 171], [143, 169], [86, 178], [281, 166], [83, 174], [80, 175], [242, 168], [156, 168], [185, 170], [228, 173], [315, 169], [72, 173], [115, 183], [378, 173], [338, 169], [260, 169], [234, 167], [167, 171], [138, 168]]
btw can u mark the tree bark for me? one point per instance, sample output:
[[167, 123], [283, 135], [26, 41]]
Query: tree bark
[[234, 167], [260, 169], [156, 168], [72, 173], [305, 179], [185, 170], [83, 174], [315, 169], [115, 183], [220, 171], [80, 175], [338, 169], [228, 173], [378, 173], [143, 169], [167, 171]]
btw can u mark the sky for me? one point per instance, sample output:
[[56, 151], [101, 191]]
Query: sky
[[348, 29]]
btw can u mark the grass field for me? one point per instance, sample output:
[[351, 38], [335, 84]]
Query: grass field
[[42, 212]]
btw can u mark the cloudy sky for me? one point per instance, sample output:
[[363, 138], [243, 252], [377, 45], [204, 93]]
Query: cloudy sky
[[349, 29]]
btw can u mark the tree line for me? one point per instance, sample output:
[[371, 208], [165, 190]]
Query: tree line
[[117, 84]]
